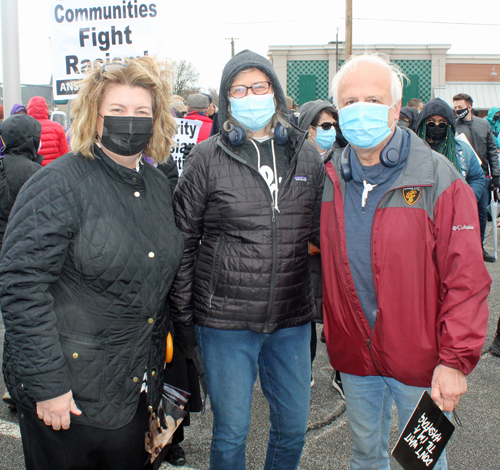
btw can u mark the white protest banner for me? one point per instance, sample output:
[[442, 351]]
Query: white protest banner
[[86, 33], [187, 133]]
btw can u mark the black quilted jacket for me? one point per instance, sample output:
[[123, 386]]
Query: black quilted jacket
[[89, 255], [245, 266]]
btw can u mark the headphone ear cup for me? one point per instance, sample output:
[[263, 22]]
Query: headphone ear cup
[[390, 158], [237, 136], [281, 135], [345, 166], [390, 155]]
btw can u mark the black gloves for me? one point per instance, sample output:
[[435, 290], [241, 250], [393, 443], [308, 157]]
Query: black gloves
[[494, 183], [185, 338]]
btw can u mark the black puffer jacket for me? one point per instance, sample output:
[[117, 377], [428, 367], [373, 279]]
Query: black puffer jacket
[[245, 266], [89, 255]]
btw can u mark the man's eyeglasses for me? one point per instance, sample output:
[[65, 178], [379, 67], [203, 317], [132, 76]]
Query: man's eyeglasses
[[441, 125], [326, 126], [240, 91]]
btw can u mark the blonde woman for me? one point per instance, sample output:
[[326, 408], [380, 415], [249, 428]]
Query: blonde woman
[[89, 256]]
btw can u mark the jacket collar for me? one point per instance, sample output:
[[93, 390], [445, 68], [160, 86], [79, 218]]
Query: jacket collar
[[120, 173], [417, 171]]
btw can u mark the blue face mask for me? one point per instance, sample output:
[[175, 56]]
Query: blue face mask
[[253, 111], [325, 139], [364, 125]]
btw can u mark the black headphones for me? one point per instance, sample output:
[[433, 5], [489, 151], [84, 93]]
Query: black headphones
[[237, 135], [389, 157]]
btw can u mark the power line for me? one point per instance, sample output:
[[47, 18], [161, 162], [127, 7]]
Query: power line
[[429, 22]]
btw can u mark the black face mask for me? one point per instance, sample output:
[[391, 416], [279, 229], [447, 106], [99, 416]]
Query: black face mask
[[461, 113], [495, 117], [126, 135], [436, 132], [340, 139], [403, 123]]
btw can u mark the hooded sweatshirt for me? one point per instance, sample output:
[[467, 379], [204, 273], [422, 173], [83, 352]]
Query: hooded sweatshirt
[[54, 143], [269, 158], [21, 135], [412, 115], [495, 125], [242, 61], [308, 111], [470, 167]]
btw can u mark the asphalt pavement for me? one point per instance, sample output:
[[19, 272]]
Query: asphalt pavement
[[474, 446]]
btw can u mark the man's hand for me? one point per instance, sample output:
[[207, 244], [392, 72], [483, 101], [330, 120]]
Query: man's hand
[[448, 385], [55, 412]]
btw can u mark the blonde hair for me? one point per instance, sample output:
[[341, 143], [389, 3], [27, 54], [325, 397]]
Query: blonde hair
[[141, 72]]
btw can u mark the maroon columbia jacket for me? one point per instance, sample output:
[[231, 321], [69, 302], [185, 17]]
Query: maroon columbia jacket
[[428, 271]]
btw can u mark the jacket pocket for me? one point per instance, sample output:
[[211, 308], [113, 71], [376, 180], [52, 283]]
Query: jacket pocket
[[214, 276], [85, 365]]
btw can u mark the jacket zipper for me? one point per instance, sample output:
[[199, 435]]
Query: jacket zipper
[[273, 224], [216, 269]]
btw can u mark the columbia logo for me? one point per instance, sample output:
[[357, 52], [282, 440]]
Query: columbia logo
[[463, 227], [301, 178]]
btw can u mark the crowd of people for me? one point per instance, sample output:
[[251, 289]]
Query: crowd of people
[[354, 212]]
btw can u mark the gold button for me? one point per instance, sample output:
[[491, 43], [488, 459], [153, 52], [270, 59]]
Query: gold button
[[153, 373], [134, 180], [151, 254], [137, 194], [150, 321], [135, 380], [75, 355]]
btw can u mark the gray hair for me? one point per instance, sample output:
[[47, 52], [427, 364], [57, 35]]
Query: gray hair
[[397, 77]]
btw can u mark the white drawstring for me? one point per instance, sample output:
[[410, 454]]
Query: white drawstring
[[367, 187], [275, 201]]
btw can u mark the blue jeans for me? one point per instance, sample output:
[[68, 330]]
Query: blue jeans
[[369, 402], [482, 208], [232, 359]]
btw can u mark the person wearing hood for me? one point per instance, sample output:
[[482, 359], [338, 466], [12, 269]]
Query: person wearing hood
[[18, 109], [408, 118], [436, 125], [493, 118], [248, 203], [21, 138], [320, 119], [54, 143], [20, 161]]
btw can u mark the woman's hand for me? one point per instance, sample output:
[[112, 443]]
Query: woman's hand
[[56, 411]]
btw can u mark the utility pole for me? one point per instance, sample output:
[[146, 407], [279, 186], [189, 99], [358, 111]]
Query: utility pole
[[337, 52], [10, 55], [348, 29], [232, 44]]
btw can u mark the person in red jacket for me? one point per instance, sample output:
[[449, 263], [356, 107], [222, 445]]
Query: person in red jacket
[[197, 110], [404, 283], [53, 142]]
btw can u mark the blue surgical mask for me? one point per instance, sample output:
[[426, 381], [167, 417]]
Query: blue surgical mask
[[325, 139], [364, 125], [253, 111]]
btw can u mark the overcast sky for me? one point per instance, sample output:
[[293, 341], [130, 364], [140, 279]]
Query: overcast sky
[[197, 29]]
